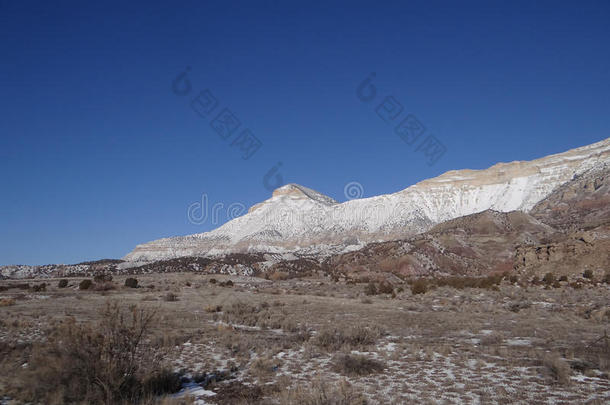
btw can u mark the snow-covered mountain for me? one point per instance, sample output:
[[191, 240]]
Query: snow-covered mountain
[[299, 219]]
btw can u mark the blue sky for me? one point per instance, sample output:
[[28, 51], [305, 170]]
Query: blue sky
[[98, 154]]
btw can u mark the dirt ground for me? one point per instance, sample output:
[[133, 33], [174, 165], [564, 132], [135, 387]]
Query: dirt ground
[[262, 341]]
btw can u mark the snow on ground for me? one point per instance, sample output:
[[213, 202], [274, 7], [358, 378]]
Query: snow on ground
[[411, 375]]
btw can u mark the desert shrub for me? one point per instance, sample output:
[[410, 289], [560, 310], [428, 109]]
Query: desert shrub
[[245, 314], [419, 286], [262, 315], [489, 281], [279, 275], [6, 302], [62, 284], [549, 278], [39, 287], [131, 282], [322, 393], [334, 338], [456, 282], [161, 382], [577, 285], [102, 363], [85, 285], [370, 289], [517, 306], [493, 338], [556, 368], [606, 278], [513, 279], [292, 326], [213, 308], [461, 282], [535, 280], [588, 274], [276, 291], [563, 278], [227, 283], [101, 278], [212, 281], [556, 284], [385, 288], [170, 297], [264, 366], [350, 364]]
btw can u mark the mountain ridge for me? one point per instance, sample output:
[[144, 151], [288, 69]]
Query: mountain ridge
[[567, 232], [298, 218]]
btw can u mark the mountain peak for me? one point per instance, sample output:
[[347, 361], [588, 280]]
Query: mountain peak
[[293, 191], [297, 191]]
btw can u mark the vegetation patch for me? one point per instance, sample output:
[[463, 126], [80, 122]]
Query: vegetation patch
[[102, 363], [356, 365]]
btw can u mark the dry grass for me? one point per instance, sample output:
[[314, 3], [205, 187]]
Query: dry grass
[[476, 335], [355, 364], [103, 286], [370, 289], [264, 367], [262, 315], [321, 393], [423, 285], [6, 302], [493, 338], [419, 286], [213, 308], [556, 368], [333, 338], [131, 282], [279, 275], [98, 364], [170, 297]]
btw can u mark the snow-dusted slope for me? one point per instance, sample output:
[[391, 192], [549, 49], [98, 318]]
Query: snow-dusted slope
[[297, 218]]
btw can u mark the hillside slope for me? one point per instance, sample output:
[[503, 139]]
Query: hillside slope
[[298, 219]]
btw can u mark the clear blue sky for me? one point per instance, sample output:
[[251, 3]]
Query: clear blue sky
[[97, 154]]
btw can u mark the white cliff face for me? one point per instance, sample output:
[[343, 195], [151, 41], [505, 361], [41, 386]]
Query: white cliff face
[[298, 219]]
